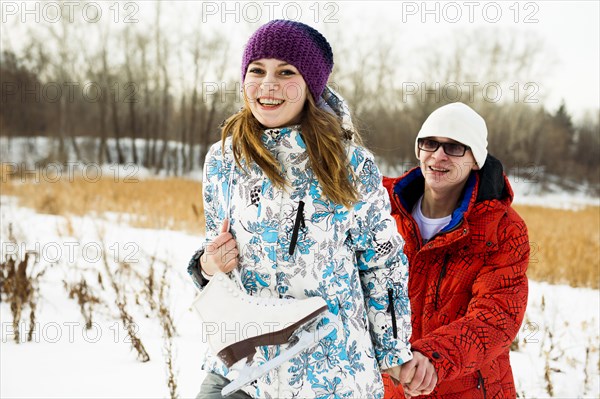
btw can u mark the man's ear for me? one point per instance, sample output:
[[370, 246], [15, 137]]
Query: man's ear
[[472, 166]]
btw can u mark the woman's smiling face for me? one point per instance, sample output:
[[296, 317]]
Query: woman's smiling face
[[275, 92]]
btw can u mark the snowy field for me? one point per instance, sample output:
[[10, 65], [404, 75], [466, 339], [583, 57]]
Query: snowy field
[[556, 354]]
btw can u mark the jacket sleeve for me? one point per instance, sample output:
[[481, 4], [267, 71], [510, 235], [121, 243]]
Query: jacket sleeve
[[494, 314], [382, 265], [214, 213]]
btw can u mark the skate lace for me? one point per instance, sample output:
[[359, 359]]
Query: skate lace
[[255, 300]]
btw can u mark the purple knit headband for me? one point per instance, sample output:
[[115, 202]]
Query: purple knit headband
[[297, 44]]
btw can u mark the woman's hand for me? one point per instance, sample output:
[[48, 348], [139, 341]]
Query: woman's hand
[[393, 372], [221, 254]]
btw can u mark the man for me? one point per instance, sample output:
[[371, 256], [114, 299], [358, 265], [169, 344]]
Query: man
[[468, 252]]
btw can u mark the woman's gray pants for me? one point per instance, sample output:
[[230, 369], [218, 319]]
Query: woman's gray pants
[[212, 385]]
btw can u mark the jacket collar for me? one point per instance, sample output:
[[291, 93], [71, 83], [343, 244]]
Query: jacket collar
[[273, 138], [493, 183], [489, 183]]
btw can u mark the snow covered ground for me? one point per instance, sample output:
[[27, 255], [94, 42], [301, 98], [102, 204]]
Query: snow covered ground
[[557, 354]]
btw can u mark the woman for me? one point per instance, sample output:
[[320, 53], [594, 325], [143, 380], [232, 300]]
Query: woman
[[295, 204], [468, 252]]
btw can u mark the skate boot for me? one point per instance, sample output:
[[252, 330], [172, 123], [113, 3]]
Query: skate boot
[[235, 324]]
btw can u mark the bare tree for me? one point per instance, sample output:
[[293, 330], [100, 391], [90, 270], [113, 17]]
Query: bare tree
[[114, 100], [164, 113], [101, 82], [216, 103], [183, 120], [142, 42], [62, 33], [195, 51], [129, 60]]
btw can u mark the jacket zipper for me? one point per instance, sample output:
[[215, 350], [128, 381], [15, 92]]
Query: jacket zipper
[[481, 383], [392, 311], [299, 221], [439, 282]]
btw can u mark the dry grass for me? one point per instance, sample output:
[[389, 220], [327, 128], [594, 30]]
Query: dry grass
[[83, 294], [121, 301], [172, 203], [19, 287], [565, 245]]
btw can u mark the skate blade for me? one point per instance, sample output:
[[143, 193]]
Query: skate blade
[[306, 339]]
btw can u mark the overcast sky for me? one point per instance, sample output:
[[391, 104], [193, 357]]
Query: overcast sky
[[569, 29]]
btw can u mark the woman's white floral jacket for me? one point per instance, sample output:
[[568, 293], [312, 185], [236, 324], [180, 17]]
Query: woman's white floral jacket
[[294, 243]]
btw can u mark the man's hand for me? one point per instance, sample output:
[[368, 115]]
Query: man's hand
[[418, 376]]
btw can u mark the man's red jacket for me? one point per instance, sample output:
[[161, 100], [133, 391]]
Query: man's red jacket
[[467, 285]]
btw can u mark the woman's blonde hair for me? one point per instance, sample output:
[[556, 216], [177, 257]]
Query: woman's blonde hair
[[325, 140]]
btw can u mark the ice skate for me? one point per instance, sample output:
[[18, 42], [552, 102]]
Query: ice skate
[[235, 324]]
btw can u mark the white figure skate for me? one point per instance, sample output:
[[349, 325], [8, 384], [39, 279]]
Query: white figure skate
[[235, 323]]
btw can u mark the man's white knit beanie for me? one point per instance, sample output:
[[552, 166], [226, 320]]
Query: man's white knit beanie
[[459, 122]]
